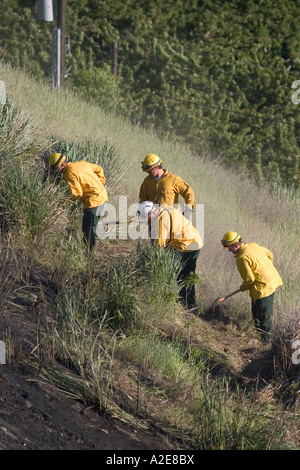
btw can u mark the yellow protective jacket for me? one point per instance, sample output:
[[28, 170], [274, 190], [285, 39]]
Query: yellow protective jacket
[[172, 229], [166, 190], [255, 265], [86, 182]]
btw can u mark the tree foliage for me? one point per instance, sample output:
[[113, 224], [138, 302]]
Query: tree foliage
[[215, 73]]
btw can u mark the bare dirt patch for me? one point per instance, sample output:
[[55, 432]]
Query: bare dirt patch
[[36, 416]]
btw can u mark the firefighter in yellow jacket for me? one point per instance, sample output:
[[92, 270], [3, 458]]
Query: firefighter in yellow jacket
[[169, 228], [164, 188], [86, 182], [260, 278]]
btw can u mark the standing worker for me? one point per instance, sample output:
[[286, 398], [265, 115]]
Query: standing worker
[[260, 277], [169, 228], [163, 188], [86, 182]]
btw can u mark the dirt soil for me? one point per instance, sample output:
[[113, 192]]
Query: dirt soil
[[37, 416]]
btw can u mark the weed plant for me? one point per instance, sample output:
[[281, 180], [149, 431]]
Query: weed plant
[[17, 136], [81, 343], [70, 263], [164, 360], [159, 268], [121, 300], [28, 205], [105, 155], [286, 349], [227, 421], [8, 275]]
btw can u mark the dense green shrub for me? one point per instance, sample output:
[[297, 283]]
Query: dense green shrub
[[215, 74], [97, 86]]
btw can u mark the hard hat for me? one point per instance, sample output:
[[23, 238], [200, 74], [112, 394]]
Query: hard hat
[[150, 161], [56, 160], [145, 208], [230, 238]]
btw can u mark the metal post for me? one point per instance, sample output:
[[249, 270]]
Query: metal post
[[61, 24], [45, 13], [58, 62], [53, 58], [56, 58]]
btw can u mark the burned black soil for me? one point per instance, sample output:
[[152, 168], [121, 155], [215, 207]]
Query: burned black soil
[[36, 416]]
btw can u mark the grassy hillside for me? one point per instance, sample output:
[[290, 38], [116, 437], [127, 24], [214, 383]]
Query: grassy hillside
[[215, 73], [231, 201], [144, 355]]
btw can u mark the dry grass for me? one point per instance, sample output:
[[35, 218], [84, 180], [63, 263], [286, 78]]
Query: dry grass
[[286, 344], [232, 201]]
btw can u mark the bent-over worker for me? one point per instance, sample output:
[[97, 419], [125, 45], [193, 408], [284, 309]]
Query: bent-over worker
[[86, 182], [260, 278]]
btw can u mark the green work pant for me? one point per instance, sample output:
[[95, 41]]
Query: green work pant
[[91, 217], [262, 310], [188, 261]]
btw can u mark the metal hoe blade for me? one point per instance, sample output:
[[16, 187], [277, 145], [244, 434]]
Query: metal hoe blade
[[220, 300]]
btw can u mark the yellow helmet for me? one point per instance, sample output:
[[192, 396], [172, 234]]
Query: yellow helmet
[[150, 161], [230, 238], [56, 160]]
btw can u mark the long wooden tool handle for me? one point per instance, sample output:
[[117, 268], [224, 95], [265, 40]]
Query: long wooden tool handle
[[229, 295]]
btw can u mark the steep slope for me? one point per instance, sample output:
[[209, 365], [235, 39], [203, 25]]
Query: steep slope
[[29, 405], [37, 415]]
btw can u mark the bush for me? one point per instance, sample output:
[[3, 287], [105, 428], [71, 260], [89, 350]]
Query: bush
[[229, 421], [80, 343], [16, 133], [121, 302], [105, 156], [28, 204], [97, 86], [159, 269]]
